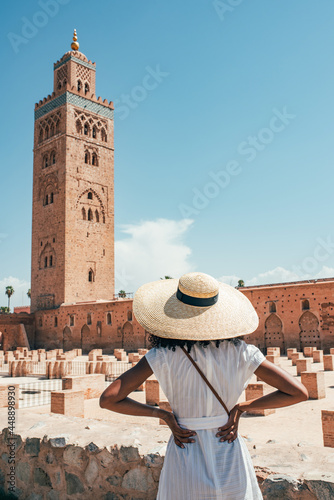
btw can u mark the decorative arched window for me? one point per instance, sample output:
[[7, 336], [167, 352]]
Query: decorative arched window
[[104, 219], [83, 213], [94, 133], [50, 261], [86, 129], [89, 318], [51, 197], [45, 262], [78, 127], [40, 135], [56, 321], [87, 157], [90, 215], [86, 88], [97, 217], [47, 132], [72, 320], [94, 159], [52, 130], [90, 195], [45, 161], [90, 275], [57, 127], [53, 158], [59, 85], [129, 315], [103, 135], [108, 319], [79, 86], [47, 199], [272, 307], [305, 305], [64, 82]]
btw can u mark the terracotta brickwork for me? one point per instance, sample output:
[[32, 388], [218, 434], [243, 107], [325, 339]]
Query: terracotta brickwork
[[91, 385], [314, 383], [327, 420], [298, 314], [68, 402], [95, 325], [73, 190], [328, 360]]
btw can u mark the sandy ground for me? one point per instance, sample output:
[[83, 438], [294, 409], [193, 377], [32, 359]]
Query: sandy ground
[[288, 441]]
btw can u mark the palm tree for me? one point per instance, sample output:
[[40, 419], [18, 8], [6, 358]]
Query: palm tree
[[29, 293], [9, 292], [4, 309], [122, 293], [241, 283]]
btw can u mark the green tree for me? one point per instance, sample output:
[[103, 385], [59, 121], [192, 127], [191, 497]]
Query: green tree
[[9, 292], [122, 293], [4, 309], [241, 283], [167, 278], [29, 293]]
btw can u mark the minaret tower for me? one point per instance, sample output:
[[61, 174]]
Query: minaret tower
[[73, 189]]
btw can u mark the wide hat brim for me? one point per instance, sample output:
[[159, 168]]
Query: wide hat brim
[[161, 313]]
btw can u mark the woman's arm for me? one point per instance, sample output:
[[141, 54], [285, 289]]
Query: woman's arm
[[290, 391], [115, 398]]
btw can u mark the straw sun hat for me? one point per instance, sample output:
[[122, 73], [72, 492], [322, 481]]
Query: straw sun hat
[[195, 307]]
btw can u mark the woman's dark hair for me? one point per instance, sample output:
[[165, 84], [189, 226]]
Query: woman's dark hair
[[172, 343]]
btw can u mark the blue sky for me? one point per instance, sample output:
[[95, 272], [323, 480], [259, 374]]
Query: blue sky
[[242, 89]]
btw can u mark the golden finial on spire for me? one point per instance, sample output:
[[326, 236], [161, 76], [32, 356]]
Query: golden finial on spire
[[75, 43]]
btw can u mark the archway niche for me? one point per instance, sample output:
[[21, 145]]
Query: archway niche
[[309, 334], [273, 336]]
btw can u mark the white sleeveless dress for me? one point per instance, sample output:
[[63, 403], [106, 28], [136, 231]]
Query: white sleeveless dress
[[208, 468]]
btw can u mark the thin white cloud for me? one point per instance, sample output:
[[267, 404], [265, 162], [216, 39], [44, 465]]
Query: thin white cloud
[[153, 249], [278, 275], [19, 296]]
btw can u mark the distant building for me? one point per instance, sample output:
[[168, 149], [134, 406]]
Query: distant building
[[72, 259], [21, 309], [296, 314]]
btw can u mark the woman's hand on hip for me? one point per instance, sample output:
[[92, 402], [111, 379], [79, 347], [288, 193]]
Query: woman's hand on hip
[[180, 435], [229, 431]]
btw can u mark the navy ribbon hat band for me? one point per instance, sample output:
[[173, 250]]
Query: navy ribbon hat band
[[196, 301]]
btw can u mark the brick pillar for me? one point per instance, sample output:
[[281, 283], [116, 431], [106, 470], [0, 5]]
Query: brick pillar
[[329, 362], [290, 351], [152, 391], [314, 383], [273, 351], [303, 365], [295, 356], [273, 358], [164, 405], [318, 356], [68, 402], [255, 391], [308, 351], [49, 369], [142, 352], [331, 350], [327, 421], [92, 365]]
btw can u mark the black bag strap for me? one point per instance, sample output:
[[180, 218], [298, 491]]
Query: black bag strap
[[206, 380]]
